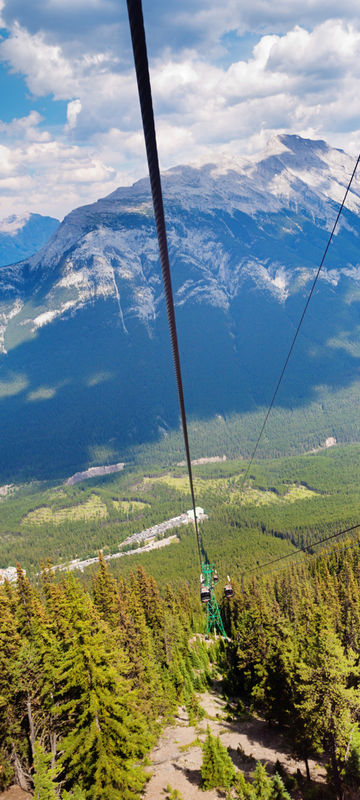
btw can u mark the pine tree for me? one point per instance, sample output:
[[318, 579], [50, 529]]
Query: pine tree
[[13, 740], [25, 602], [326, 701], [106, 594], [352, 768], [278, 791], [105, 730], [146, 667], [145, 587], [217, 770], [262, 783], [76, 794], [243, 789], [44, 775]]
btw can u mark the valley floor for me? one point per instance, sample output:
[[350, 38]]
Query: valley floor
[[176, 760]]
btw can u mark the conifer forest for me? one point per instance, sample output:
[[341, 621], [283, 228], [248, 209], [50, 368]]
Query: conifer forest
[[90, 673]]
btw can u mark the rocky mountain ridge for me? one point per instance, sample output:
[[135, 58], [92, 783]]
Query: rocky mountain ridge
[[83, 329], [109, 248]]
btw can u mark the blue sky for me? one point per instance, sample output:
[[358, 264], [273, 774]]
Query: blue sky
[[226, 77]]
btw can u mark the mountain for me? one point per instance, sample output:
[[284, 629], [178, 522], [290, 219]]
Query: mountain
[[86, 362], [21, 236]]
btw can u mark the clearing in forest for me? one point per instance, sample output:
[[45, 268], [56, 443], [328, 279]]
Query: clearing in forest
[[176, 760], [232, 490], [93, 508], [129, 506]]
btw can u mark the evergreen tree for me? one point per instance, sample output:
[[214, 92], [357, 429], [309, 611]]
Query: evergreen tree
[[243, 789], [352, 768], [146, 664], [262, 783], [44, 775], [217, 770], [106, 733], [106, 594], [278, 791], [76, 794], [326, 698], [13, 741], [25, 602]]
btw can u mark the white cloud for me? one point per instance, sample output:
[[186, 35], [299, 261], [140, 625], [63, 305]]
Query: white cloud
[[50, 176], [43, 65], [73, 111], [302, 79], [203, 24]]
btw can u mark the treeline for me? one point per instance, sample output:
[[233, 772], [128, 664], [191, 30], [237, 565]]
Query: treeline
[[294, 655], [87, 680]]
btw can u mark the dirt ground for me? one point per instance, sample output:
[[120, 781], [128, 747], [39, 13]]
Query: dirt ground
[[15, 793], [174, 763]]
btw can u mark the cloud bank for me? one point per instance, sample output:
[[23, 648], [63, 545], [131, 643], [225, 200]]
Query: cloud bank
[[224, 79]]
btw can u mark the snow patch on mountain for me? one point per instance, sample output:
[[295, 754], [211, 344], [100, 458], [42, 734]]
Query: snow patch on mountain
[[6, 314], [109, 249]]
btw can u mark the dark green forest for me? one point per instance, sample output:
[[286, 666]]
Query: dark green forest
[[294, 656], [87, 681], [89, 677]]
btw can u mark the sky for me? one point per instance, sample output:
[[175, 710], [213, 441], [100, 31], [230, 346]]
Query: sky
[[226, 76]]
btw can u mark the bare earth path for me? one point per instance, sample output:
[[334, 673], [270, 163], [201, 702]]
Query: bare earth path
[[15, 793], [174, 763], [178, 765]]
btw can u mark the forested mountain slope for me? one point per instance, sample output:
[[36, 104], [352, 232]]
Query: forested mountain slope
[[87, 680], [287, 503], [295, 655]]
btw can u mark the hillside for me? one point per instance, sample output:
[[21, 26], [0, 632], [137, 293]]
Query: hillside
[[287, 502], [101, 673], [86, 366]]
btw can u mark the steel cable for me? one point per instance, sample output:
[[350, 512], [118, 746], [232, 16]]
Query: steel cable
[[136, 21], [305, 549]]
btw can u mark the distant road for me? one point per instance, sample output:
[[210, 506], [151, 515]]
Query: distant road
[[87, 562], [138, 540], [204, 460], [94, 472]]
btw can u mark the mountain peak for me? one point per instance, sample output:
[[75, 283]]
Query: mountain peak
[[82, 322]]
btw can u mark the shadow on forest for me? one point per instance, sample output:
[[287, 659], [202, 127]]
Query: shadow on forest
[[83, 383]]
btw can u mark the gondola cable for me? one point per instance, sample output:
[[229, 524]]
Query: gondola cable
[[144, 88], [136, 20], [298, 564], [299, 325]]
